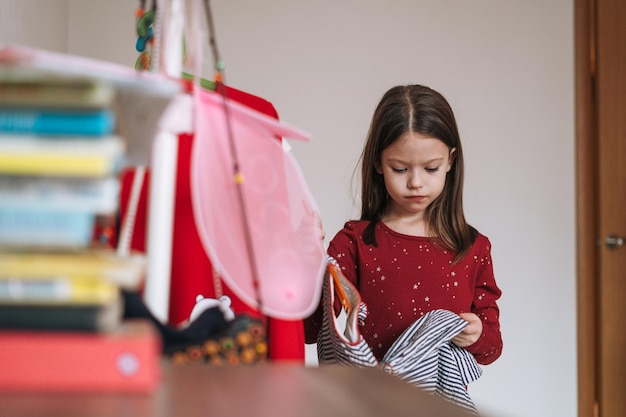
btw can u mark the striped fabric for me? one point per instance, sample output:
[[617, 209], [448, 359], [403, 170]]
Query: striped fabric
[[423, 355], [348, 348]]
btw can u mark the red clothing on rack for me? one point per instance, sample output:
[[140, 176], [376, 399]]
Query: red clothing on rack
[[192, 272]]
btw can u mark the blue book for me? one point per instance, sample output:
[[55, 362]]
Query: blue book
[[57, 122], [40, 226]]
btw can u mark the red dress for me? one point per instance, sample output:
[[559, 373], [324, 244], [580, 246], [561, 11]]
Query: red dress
[[405, 277]]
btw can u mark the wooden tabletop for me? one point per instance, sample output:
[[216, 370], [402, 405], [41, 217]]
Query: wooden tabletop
[[272, 390]]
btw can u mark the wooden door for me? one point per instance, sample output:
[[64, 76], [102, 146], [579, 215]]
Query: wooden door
[[601, 210]]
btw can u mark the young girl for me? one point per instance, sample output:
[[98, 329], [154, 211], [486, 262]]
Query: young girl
[[412, 250]]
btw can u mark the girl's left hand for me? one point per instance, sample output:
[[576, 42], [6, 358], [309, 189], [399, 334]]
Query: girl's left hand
[[471, 332]]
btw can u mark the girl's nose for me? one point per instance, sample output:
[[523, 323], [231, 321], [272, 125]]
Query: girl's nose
[[415, 180]]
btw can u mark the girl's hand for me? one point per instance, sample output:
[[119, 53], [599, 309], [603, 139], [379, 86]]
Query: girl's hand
[[471, 332], [321, 229]]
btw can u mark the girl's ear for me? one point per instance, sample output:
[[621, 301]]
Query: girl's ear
[[451, 158], [378, 167]]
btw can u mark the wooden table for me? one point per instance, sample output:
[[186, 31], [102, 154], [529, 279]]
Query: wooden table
[[272, 390]]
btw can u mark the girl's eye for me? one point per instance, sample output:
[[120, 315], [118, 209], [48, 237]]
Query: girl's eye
[[432, 169], [398, 170]]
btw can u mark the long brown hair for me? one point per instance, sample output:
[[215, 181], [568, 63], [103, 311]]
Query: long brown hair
[[419, 109]]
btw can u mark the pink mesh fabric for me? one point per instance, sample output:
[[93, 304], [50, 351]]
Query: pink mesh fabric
[[282, 216]]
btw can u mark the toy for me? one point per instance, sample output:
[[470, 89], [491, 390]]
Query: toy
[[243, 341], [203, 304]]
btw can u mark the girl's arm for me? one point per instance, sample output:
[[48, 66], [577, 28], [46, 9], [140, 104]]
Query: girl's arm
[[488, 347]]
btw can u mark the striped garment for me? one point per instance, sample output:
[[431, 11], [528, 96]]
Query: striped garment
[[423, 354]]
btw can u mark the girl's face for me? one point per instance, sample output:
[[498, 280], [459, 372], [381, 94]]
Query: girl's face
[[414, 168]]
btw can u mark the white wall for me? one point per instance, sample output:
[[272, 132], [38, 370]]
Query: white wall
[[35, 23], [507, 70]]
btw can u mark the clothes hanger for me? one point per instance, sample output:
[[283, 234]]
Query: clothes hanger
[[333, 269]]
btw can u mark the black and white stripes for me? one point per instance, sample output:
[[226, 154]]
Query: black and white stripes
[[423, 354], [348, 348]]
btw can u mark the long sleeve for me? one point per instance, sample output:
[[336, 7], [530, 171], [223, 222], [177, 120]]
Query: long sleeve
[[489, 346]]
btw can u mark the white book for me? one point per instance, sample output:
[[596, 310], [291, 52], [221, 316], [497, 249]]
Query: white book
[[92, 195]]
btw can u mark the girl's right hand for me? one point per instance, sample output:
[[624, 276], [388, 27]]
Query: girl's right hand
[[470, 334]]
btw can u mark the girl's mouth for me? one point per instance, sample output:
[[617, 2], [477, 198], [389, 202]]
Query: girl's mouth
[[417, 198]]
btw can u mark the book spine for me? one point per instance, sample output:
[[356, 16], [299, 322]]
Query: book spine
[[41, 92], [127, 271], [42, 227], [56, 317], [124, 361], [56, 289], [46, 122], [61, 157], [95, 195]]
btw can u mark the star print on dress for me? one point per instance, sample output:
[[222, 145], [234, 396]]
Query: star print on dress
[[428, 271], [422, 354]]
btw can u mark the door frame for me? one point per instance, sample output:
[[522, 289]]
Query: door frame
[[587, 227]]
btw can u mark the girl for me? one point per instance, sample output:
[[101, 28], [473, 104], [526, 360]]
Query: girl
[[412, 251]]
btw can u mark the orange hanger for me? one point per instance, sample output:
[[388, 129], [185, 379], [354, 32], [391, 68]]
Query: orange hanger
[[341, 294]]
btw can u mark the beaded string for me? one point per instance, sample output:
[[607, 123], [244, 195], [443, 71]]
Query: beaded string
[[238, 176], [145, 34]]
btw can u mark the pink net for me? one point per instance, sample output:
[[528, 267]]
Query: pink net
[[283, 219]]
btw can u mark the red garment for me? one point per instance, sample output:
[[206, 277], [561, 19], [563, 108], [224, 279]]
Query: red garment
[[192, 272], [406, 276]]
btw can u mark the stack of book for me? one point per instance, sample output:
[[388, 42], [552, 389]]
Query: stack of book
[[61, 307], [58, 160]]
